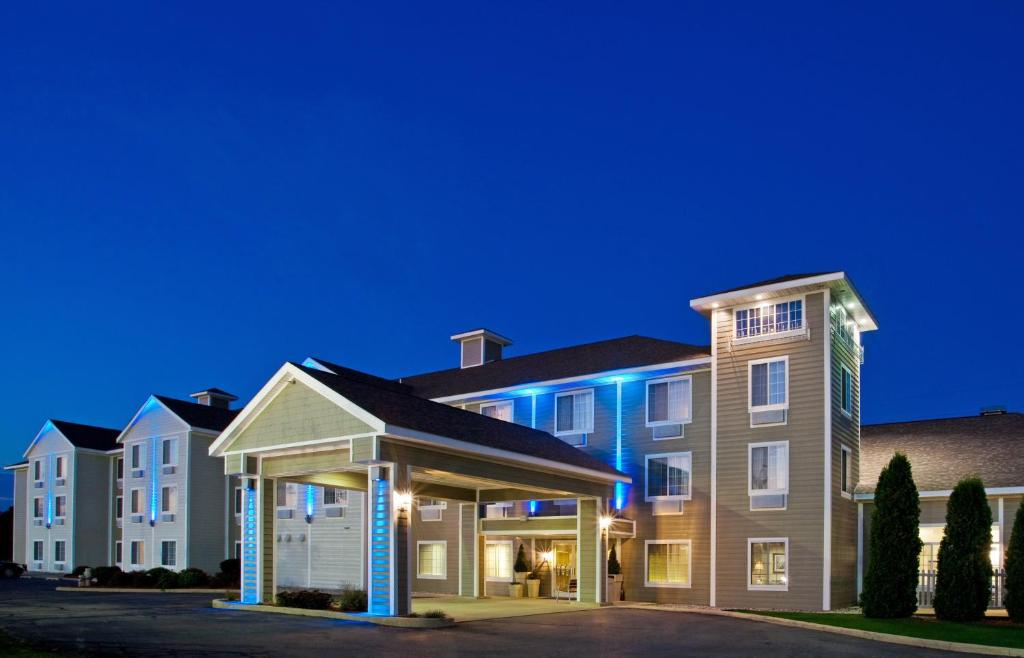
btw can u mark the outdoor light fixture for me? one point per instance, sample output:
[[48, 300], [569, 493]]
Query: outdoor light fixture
[[402, 500], [606, 522]]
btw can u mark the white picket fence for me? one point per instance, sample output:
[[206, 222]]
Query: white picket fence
[[926, 589]]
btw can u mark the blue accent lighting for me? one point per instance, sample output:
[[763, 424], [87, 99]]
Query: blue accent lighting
[[310, 502], [154, 498], [533, 507]]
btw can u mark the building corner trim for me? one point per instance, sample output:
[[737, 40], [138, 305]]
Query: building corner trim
[[826, 569], [713, 582]]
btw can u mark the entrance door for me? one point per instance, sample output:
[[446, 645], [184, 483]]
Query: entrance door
[[563, 575]]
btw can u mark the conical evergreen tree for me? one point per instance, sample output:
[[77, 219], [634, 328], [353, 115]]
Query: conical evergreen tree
[[964, 578], [1014, 598], [890, 584], [614, 568]]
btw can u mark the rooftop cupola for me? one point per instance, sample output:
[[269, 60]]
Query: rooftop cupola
[[480, 346], [214, 397]]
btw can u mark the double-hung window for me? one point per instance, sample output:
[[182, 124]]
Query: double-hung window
[[668, 482], [238, 501], [668, 562], [769, 319], [431, 559], [498, 561], [846, 471], [335, 501], [120, 468], [118, 552], [768, 475], [767, 563], [60, 506], [431, 509], [136, 453], [169, 452], [500, 410], [169, 500], [137, 553], [168, 553], [574, 412], [136, 501], [61, 461], [37, 470], [38, 508], [60, 551], [119, 507], [287, 495], [37, 550], [768, 390], [669, 405], [846, 391]]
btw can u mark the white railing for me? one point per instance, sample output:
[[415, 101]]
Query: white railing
[[926, 589]]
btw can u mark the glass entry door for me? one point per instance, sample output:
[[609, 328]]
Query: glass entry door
[[564, 572]]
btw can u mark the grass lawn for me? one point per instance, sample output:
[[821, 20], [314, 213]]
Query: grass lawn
[[992, 632], [10, 647]]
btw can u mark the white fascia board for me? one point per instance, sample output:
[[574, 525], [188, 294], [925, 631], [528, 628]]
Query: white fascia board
[[17, 467], [483, 333], [704, 303], [285, 375], [946, 493], [48, 425], [310, 362], [704, 360], [415, 436], [127, 428]]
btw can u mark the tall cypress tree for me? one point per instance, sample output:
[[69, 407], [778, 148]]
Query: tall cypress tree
[[890, 584], [964, 578], [1014, 598]]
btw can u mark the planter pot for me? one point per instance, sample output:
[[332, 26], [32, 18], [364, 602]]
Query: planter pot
[[532, 588], [615, 589], [515, 591]]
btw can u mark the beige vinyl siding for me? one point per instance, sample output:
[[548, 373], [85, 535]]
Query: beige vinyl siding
[[90, 506], [447, 530], [468, 539], [234, 522], [203, 495], [267, 512], [20, 515], [845, 433], [587, 551], [803, 520]]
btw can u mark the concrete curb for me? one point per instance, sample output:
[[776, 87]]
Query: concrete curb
[[142, 590], [960, 647], [397, 622]]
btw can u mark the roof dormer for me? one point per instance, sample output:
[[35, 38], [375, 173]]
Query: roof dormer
[[480, 346]]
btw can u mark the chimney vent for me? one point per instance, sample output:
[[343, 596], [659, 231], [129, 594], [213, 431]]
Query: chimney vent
[[996, 410], [214, 397], [480, 346]]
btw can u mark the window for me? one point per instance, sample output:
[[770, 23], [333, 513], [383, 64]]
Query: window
[[37, 551], [37, 470], [846, 470], [37, 508], [238, 501], [119, 508], [574, 412], [59, 551], [136, 455], [168, 553], [60, 467], [169, 500], [669, 401], [767, 561], [60, 506], [499, 410], [931, 536], [118, 552], [668, 562], [768, 383], [768, 319], [137, 553], [430, 509], [498, 511], [287, 495], [238, 549], [847, 390], [169, 452], [768, 474], [472, 352], [431, 560], [136, 501], [120, 468], [498, 560], [668, 476], [335, 497]]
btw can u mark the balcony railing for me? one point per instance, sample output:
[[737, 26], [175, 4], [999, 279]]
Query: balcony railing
[[926, 589]]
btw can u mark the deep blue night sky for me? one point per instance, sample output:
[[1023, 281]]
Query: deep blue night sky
[[192, 194]]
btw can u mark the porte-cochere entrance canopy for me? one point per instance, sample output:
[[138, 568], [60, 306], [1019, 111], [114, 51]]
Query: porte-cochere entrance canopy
[[356, 432]]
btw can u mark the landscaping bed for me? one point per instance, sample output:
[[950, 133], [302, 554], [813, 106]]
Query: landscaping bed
[[164, 579]]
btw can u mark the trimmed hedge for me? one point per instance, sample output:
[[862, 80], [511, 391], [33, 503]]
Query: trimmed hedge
[[1014, 598], [964, 579], [192, 577], [105, 575], [306, 599], [614, 568], [890, 584]]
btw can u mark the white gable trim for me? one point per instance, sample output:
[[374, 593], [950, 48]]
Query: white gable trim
[[47, 426], [124, 433], [285, 376]]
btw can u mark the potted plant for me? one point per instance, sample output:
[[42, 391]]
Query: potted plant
[[521, 568], [533, 582], [615, 591]]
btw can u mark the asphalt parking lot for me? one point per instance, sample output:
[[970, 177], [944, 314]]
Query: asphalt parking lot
[[185, 625]]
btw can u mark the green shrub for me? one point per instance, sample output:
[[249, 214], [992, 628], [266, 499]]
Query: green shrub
[[964, 576], [1014, 598], [431, 614], [614, 568], [521, 565], [308, 599], [193, 577], [890, 584], [352, 600], [140, 579], [104, 575], [231, 570], [79, 570], [163, 578]]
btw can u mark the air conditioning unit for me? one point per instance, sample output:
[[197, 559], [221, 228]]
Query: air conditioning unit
[[60, 482], [285, 513], [136, 518], [167, 517], [58, 522], [169, 470], [138, 472]]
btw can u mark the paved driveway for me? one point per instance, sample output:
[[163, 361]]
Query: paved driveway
[[185, 625]]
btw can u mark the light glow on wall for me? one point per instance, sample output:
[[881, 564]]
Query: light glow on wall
[[310, 502], [154, 489], [533, 507], [249, 549]]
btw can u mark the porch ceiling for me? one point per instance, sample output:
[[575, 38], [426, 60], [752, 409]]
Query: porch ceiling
[[434, 476]]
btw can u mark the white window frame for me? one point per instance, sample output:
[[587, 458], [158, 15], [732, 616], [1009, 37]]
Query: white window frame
[[237, 502], [173, 453], [238, 550], [847, 472], [511, 563], [444, 560], [64, 549], [689, 566], [289, 486], [753, 493], [119, 469], [784, 406], [37, 470], [164, 542], [844, 375], [119, 507], [142, 552], [802, 331], [647, 401], [131, 501], [60, 467], [437, 507], [506, 506], [56, 507], [462, 352], [135, 450], [767, 540], [40, 508], [501, 403], [118, 552], [169, 493], [574, 431], [41, 545], [647, 462], [343, 497]]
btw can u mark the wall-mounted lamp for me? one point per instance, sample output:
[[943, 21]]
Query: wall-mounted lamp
[[403, 499], [606, 522]]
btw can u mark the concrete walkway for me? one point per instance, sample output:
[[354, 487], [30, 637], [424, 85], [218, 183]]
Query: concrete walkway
[[462, 608]]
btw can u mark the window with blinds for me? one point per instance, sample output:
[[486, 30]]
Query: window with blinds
[[768, 465], [574, 412], [668, 563], [431, 559]]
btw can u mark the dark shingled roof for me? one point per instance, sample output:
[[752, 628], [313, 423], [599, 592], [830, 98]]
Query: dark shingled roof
[[87, 436], [768, 282], [614, 354], [415, 413], [366, 378], [199, 415], [944, 450]]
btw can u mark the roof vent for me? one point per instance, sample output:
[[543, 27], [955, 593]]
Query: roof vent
[[480, 346], [997, 410], [214, 397]]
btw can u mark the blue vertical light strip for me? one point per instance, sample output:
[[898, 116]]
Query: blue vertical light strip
[[380, 551], [249, 547], [49, 490], [310, 502], [154, 498], [533, 424], [620, 488]]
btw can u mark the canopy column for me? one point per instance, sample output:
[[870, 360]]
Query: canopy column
[[389, 557], [591, 578]]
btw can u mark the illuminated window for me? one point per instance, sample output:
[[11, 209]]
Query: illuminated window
[[498, 510], [768, 474], [135, 501], [768, 319], [431, 559], [498, 561], [668, 562], [931, 536], [768, 389], [499, 410], [334, 497], [767, 563], [574, 412]]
